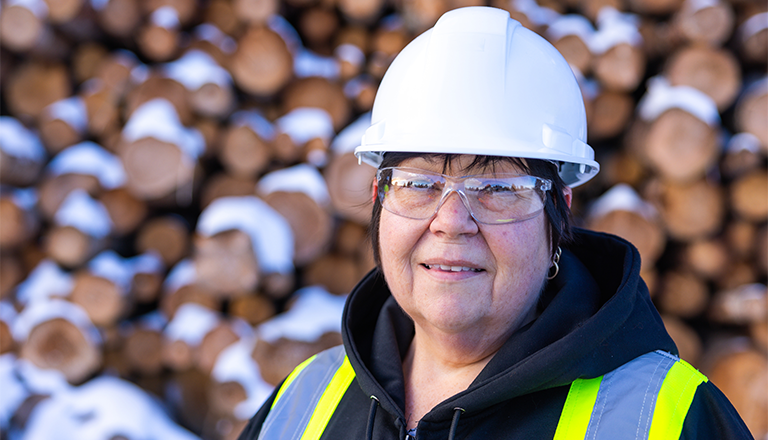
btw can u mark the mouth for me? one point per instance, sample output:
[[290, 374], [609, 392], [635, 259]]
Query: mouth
[[449, 268]]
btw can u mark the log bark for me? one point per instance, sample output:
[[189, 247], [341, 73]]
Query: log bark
[[101, 299], [126, 211], [186, 10], [338, 274], [317, 25], [711, 24], [69, 246], [255, 12], [156, 169], [20, 27], [225, 396], [752, 36], [312, 225], [741, 238], [59, 344], [101, 104], [349, 186], [224, 185], [145, 287], [647, 235], [743, 305], [191, 404], [278, 285], [62, 11], [178, 356], [321, 93], [35, 85], [53, 190], [226, 264], [749, 196], [143, 351], [166, 235], [157, 87], [715, 72], [120, 18], [576, 52], [7, 344], [277, 359], [611, 113], [262, 64], [692, 210], [655, 7], [622, 166], [708, 258], [683, 295], [243, 153], [212, 100], [679, 146], [253, 309], [350, 239], [365, 11], [212, 345], [158, 43], [11, 273], [688, 342], [620, 68], [742, 375], [222, 14], [752, 112], [86, 59], [57, 134], [19, 171], [17, 225], [190, 293]]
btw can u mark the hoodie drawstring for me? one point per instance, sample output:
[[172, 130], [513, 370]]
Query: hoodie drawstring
[[455, 422], [371, 417]]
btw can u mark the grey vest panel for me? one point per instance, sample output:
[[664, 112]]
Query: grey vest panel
[[627, 398], [290, 415]]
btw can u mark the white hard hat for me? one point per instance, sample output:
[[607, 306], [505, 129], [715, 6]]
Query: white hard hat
[[481, 83]]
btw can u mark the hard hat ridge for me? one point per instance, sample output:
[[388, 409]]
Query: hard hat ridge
[[478, 82]]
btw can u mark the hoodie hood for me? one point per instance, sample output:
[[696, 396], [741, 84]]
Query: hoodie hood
[[594, 316]]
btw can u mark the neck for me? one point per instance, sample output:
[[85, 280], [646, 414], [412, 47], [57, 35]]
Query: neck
[[438, 367]]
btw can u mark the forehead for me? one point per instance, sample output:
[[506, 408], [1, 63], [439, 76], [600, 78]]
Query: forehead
[[465, 164]]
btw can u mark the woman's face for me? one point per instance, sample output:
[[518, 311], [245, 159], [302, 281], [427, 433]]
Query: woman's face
[[508, 264]]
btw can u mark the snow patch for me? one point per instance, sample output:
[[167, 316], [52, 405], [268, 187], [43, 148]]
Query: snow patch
[[270, 233]]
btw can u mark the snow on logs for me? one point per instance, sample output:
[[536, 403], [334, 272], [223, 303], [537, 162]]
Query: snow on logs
[[112, 152]]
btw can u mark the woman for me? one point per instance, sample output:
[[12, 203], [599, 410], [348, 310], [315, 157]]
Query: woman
[[487, 317]]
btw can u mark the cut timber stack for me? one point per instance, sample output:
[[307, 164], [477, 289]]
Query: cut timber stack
[[167, 162]]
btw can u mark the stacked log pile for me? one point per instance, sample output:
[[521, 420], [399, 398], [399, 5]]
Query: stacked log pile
[[176, 174]]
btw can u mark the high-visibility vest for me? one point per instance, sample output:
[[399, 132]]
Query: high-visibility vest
[[647, 398]]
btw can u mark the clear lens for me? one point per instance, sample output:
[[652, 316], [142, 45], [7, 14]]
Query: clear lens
[[490, 198]]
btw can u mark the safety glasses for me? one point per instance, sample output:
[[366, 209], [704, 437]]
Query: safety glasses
[[491, 198]]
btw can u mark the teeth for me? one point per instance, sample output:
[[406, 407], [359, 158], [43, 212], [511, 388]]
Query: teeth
[[452, 268]]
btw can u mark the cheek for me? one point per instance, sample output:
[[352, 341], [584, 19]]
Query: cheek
[[397, 239], [523, 254]]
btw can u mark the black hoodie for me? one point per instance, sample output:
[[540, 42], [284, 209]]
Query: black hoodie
[[594, 316]]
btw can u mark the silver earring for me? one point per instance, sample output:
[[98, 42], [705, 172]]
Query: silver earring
[[555, 260]]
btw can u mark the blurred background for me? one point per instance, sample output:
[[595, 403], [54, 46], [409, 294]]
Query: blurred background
[[181, 215]]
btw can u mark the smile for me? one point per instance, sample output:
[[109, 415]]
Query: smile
[[452, 268]]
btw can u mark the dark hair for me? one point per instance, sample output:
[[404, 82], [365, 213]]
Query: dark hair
[[557, 210]]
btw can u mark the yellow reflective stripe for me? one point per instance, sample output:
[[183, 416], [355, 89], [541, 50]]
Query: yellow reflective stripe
[[290, 378], [577, 410], [329, 400], [674, 400]]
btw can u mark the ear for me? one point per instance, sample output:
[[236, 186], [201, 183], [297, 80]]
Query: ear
[[568, 195], [375, 191]]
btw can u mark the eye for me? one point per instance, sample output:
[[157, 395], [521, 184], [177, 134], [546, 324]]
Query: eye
[[415, 183]]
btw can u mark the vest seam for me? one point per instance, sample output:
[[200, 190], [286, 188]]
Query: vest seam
[[654, 397]]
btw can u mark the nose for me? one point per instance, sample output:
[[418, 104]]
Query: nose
[[453, 217]]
